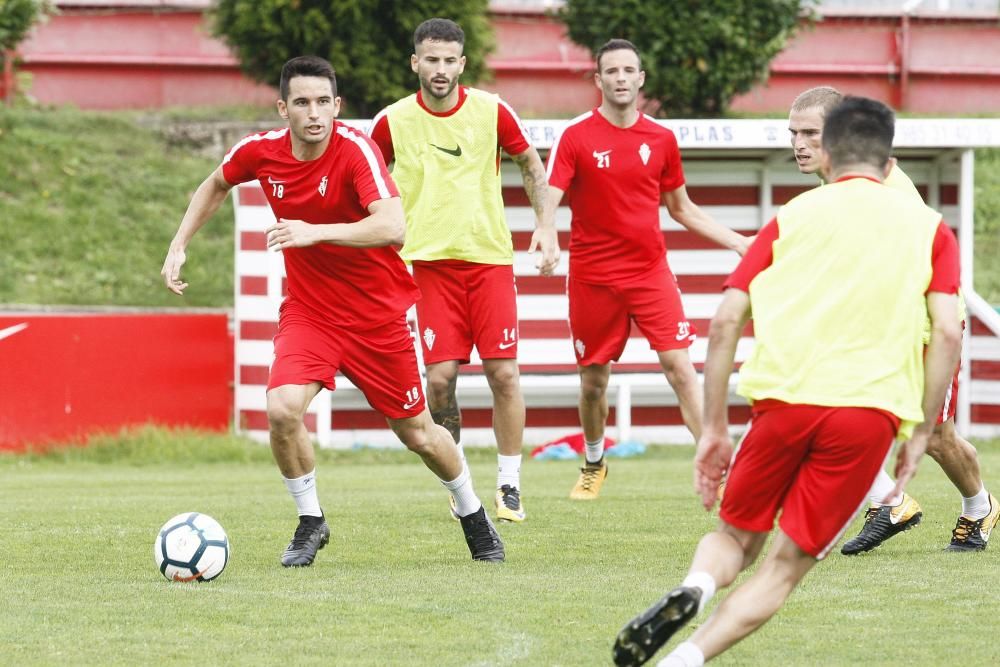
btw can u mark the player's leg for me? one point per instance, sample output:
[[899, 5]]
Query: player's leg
[[763, 468], [508, 428], [383, 364], [446, 342], [445, 338], [442, 397], [655, 304], [305, 360], [593, 409], [751, 604], [293, 452], [492, 300], [599, 326], [680, 373], [434, 445], [719, 558], [960, 462]]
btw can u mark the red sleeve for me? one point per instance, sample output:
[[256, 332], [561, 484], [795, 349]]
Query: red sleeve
[[758, 257], [371, 178], [240, 163], [562, 161], [510, 132], [380, 134], [673, 173], [944, 260]]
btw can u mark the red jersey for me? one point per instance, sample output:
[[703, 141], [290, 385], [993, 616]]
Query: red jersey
[[347, 287], [614, 178], [510, 131]]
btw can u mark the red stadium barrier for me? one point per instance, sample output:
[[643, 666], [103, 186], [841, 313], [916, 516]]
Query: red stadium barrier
[[67, 375]]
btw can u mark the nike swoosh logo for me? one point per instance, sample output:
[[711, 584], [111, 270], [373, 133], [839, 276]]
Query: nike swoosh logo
[[274, 182], [456, 151], [10, 331], [407, 406], [504, 346]]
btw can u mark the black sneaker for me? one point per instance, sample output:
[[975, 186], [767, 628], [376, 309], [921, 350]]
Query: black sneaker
[[881, 523], [974, 534], [646, 633], [312, 535], [481, 536]]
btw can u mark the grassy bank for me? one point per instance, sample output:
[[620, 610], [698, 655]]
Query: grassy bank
[[90, 201]]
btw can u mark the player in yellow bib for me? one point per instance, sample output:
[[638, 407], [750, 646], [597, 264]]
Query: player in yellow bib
[[887, 516], [445, 142]]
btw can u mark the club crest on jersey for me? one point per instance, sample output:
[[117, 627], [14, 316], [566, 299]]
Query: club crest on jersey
[[322, 185], [603, 159], [429, 337], [644, 153]]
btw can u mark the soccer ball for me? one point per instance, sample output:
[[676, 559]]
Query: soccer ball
[[191, 547]]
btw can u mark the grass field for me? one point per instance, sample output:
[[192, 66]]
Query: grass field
[[396, 585]]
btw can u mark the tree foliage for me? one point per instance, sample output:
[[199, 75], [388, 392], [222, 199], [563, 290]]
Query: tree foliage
[[16, 19], [369, 42], [697, 54]]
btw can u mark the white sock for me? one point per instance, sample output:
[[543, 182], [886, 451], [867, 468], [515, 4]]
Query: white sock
[[685, 655], [705, 582], [595, 449], [509, 470], [882, 487], [466, 501], [303, 490], [977, 506]]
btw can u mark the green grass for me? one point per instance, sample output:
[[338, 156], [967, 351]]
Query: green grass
[[396, 585], [90, 201]]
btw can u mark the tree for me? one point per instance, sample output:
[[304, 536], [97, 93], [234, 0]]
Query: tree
[[368, 42], [16, 19], [697, 54]]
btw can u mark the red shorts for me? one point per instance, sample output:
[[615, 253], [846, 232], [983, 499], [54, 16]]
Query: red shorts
[[601, 316], [381, 362], [815, 464], [466, 304]]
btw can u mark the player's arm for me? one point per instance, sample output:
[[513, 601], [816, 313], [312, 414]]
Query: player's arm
[[715, 448], [689, 214], [206, 201], [940, 360], [545, 237], [384, 225]]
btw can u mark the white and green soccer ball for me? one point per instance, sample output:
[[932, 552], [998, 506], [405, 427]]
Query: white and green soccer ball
[[191, 547]]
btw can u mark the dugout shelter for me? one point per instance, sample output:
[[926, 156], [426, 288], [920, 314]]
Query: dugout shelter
[[740, 172]]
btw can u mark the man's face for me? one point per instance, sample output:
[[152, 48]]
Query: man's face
[[310, 108], [438, 66], [806, 130], [619, 77]]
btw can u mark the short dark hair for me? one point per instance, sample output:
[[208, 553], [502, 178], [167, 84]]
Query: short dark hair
[[859, 131], [438, 30], [617, 45], [306, 66]]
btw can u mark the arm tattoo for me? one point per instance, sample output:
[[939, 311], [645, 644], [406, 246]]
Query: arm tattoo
[[533, 175]]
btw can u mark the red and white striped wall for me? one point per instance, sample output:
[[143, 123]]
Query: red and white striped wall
[[739, 172]]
